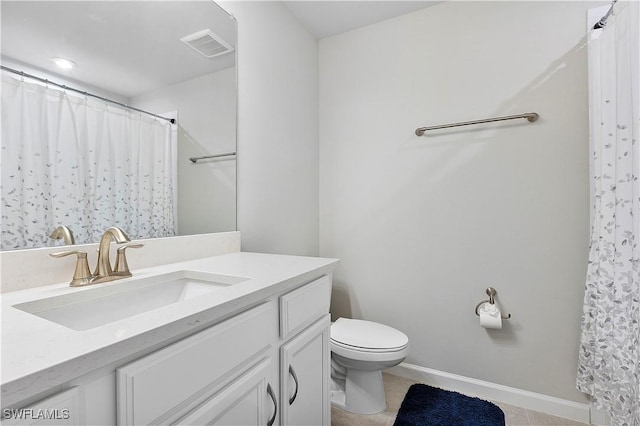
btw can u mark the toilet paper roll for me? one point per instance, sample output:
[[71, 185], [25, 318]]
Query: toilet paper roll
[[490, 316]]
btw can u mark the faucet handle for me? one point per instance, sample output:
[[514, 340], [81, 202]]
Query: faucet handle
[[82, 274], [122, 268]]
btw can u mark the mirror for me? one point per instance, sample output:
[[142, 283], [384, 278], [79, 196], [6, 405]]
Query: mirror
[[88, 162]]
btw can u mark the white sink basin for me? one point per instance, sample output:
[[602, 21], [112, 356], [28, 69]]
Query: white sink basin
[[113, 301]]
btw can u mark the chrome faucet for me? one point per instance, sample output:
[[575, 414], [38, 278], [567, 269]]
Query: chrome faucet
[[63, 232], [103, 271]]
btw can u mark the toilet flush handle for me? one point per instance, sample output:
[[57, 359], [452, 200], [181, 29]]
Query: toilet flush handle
[[295, 379]]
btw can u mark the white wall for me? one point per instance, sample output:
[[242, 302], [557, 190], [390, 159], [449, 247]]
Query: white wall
[[424, 224], [277, 130], [206, 126]]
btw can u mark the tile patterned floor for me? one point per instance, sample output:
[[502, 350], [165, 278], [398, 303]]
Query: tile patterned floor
[[396, 387]]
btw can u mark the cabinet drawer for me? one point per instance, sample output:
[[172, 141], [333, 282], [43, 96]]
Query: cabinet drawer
[[303, 306], [164, 385]]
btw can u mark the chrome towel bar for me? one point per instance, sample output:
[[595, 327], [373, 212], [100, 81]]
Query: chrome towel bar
[[531, 116], [195, 159]]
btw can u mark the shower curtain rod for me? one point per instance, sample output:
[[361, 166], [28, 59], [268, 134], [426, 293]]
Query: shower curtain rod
[[603, 21], [82, 92]]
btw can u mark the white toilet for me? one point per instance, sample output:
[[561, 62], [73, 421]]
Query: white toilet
[[360, 350]]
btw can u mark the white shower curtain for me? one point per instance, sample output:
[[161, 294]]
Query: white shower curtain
[[609, 359], [78, 161]]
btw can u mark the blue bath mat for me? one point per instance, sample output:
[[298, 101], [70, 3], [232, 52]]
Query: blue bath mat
[[428, 406]]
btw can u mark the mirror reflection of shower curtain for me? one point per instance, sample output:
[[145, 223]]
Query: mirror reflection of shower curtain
[[609, 357], [77, 161]]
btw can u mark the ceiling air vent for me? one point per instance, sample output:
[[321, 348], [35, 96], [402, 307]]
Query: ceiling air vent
[[207, 43]]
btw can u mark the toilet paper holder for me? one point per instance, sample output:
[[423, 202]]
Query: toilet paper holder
[[491, 292]]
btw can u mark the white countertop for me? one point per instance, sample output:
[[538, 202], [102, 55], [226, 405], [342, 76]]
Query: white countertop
[[38, 354]]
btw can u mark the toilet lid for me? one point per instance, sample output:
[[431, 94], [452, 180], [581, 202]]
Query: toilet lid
[[367, 334]]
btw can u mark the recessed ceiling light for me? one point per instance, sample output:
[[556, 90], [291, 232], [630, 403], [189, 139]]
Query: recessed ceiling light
[[64, 63]]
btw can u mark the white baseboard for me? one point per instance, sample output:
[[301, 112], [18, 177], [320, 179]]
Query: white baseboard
[[495, 392]]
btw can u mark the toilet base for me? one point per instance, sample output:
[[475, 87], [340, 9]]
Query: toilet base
[[363, 392], [337, 399]]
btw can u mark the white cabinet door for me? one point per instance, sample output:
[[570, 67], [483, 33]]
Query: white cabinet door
[[248, 401], [304, 377]]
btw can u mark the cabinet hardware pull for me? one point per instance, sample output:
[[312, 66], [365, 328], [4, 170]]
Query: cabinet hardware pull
[[295, 379], [275, 405]]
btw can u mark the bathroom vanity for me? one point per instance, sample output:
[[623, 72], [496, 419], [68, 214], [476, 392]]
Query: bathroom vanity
[[243, 339]]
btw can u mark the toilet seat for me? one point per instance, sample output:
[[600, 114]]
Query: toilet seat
[[367, 341], [367, 336]]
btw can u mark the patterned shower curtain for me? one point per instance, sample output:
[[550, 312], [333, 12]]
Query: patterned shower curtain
[[77, 161], [609, 359]]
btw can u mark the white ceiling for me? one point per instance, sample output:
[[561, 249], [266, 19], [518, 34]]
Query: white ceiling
[[330, 17], [131, 47], [124, 47]]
